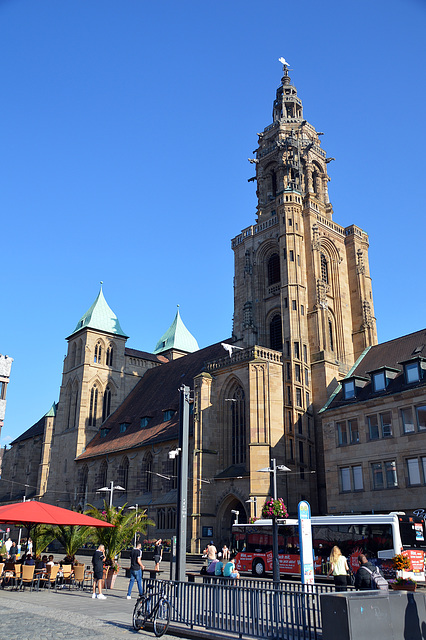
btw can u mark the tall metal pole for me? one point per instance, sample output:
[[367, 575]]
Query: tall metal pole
[[182, 498], [275, 559], [111, 491]]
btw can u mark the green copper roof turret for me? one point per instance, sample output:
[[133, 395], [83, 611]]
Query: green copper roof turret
[[100, 316], [52, 411], [177, 337]]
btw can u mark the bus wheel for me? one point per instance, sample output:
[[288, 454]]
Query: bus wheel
[[258, 568]]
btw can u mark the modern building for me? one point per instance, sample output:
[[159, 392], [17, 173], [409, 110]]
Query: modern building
[[303, 314], [374, 429]]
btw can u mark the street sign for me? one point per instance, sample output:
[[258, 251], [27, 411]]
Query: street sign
[[305, 542]]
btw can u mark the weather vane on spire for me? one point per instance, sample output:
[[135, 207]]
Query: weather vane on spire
[[283, 62]]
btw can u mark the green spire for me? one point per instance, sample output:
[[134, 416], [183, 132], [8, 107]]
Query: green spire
[[177, 337], [52, 411], [100, 316]]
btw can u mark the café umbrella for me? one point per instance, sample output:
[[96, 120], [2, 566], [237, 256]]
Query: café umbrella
[[31, 512]]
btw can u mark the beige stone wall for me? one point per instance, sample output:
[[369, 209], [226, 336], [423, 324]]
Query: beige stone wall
[[399, 447]]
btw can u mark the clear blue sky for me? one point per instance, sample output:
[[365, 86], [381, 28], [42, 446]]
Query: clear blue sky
[[125, 130]]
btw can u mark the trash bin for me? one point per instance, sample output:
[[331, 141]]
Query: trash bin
[[362, 615]]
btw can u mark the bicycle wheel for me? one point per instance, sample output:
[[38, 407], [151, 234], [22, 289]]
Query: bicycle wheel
[[162, 617], [140, 613]]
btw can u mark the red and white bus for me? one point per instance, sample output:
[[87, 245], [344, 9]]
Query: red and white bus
[[380, 536]]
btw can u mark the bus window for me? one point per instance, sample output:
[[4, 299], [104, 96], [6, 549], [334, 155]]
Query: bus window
[[412, 533]]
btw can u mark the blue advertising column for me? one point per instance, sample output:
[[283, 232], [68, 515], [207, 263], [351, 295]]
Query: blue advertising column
[[305, 542]]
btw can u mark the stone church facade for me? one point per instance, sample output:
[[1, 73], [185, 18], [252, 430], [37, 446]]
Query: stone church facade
[[303, 314]]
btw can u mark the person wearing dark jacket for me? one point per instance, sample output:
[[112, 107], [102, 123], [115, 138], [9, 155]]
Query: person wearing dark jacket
[[363, 577]]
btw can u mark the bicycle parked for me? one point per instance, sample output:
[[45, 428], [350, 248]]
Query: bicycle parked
[[152, 607]]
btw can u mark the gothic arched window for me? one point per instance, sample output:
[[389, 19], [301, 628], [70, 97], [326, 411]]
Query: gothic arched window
[[330, 335], [123, 473], [93, 407], [109, 356], [106, 405], [98, 353], [275, 333], [324, 269], [83, 476], [147, 473], [103, 474], [237, 418], [273, 269], [72, 355]]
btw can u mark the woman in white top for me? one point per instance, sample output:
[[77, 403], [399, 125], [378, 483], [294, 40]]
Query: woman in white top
[[339, 568]]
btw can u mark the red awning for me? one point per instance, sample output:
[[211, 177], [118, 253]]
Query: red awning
[[32, 512]]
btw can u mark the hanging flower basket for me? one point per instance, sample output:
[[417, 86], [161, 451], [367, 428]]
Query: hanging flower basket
[[274, 509], [401, 562]]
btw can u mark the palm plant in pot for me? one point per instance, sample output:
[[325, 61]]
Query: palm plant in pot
[[115, 539]]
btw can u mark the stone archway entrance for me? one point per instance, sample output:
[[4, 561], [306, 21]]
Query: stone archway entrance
[[226, 519]]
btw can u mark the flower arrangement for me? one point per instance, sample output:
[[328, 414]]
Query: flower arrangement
[[274, 509], [404, 581], [252, 520], [401, 562]]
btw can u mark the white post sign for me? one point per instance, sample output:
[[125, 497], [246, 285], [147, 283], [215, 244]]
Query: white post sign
[[305, 543]]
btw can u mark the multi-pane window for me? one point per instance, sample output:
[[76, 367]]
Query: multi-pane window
[[305, 353], [238, 426], [123, 473], [273, 269], [347, 432], [307, 377], [275, 333], [296, 350], [379, 381], [147, 473], [297, 372], [298, 397], [413, 469], [324, 269], [106, 404], [412, 373], [290, 420], [300, 423], [98, 353], [421, 417], [93, 406], [384, 475], [380, 425], [109, 356], [351, 478], [349, 389], [407, 419]]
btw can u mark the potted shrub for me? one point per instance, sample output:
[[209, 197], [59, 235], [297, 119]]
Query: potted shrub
[[115, 539]]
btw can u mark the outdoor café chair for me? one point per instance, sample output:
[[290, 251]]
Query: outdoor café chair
[[27, 577], [80, 576], [50, 577]]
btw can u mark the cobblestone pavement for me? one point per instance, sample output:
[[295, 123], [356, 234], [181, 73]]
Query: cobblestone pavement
[[69, 615]]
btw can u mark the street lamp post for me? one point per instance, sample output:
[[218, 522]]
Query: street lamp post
[[275, 559], [254, 500], [136, 533], [111, 490]]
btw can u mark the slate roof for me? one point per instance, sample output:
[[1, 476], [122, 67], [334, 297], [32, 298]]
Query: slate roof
[[37, 429], [389, 355], [156, 392], [144, 355]]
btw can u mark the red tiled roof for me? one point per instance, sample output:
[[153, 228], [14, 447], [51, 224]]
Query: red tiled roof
[[156, 392]]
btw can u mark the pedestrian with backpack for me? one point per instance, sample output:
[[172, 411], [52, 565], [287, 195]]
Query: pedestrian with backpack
[[369, 576]]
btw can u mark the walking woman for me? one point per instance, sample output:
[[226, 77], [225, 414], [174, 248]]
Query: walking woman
[[339, 568], [158, 554]]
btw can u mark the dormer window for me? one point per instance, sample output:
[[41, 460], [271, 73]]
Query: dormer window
[[349, 389], [168, 414], [144, 422], [104, 432], [412, 372], [379, 381], [123, 426]]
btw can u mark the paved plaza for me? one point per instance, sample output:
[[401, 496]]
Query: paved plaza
[[71, 614]]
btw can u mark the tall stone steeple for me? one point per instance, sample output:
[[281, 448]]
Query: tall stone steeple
[[302, 284]]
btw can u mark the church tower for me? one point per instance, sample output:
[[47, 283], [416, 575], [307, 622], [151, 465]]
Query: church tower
[[93, 386], [302, 283]]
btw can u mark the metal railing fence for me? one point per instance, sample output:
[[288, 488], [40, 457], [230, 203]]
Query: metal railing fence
[[291, 612]]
